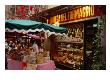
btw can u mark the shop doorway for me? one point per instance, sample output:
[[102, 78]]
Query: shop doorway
[[90, 30]]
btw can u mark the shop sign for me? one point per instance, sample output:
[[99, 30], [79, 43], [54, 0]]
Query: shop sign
[[75, 14]]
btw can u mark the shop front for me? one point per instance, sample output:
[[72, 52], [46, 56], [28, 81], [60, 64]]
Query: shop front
[[83, 47]]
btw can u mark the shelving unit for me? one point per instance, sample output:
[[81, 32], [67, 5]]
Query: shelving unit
[[70, 57], [70, 42], [69, 49], [76, 54]]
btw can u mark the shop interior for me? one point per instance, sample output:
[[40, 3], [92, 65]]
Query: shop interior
[[77, 49]]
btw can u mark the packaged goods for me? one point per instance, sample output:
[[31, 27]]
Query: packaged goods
[[46, 54], [32, 59], [40, 55], [46, 59], [40, 60]]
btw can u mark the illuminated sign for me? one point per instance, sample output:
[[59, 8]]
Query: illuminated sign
[[75, 14]]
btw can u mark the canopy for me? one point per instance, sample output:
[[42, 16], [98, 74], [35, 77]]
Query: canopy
[[31, 26], [20, 25], [53, 28]]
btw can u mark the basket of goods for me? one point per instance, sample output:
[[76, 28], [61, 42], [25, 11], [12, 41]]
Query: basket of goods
[[46, 56], [40, 58]]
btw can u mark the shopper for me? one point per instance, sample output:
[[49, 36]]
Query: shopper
[[35, 48]]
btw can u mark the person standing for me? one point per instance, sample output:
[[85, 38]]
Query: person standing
[[35, 48]]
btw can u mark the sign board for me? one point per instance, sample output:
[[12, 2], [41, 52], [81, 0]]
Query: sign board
[[77, 13]]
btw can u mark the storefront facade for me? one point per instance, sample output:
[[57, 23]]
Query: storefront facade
[[83, 47]]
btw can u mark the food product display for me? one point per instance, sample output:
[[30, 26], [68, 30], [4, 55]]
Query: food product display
[[70, 47], [70, 54], [69, 39], [21, 49]]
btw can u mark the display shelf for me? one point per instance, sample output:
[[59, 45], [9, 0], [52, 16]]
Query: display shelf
[[69, 50], [69, 42], [73, 48], [69, 66]]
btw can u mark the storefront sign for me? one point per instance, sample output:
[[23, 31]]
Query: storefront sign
[[75, 14]]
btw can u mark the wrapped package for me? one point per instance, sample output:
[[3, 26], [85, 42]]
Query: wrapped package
[[40, 58], [46, 54], [40, 55]]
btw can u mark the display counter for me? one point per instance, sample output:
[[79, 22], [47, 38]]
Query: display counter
[[14, 65], [18, 65], [49, 65]]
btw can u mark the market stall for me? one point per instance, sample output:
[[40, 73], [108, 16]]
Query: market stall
[[25, 41]]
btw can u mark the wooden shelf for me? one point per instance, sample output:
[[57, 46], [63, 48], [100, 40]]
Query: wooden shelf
[[69, 66], [66, 50], [70, 42], [66, 65]]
